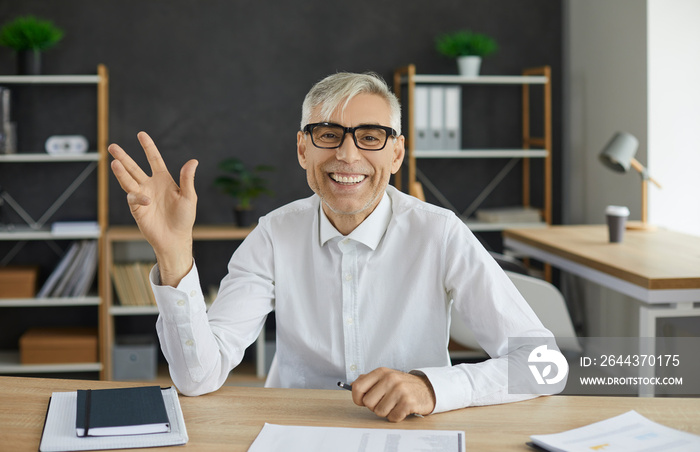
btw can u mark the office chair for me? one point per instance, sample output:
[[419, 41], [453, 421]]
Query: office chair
[[547, 302]]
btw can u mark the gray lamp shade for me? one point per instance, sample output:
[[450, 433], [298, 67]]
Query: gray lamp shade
[[619, 152]]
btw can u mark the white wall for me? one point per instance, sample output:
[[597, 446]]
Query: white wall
[[631, 65], [674, 113], [606, 63], [605, 92]]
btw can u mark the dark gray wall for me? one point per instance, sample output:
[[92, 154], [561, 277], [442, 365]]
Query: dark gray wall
[[213, 78]]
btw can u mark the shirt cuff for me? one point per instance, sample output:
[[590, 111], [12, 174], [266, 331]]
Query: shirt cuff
[[451, 392], [181, 302]]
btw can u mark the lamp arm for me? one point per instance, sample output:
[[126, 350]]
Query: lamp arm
[[643, 171]]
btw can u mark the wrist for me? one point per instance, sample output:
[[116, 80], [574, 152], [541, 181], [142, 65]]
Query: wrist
[[172, 269]]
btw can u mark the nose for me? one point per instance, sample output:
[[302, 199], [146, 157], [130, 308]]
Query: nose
[[348, 151]]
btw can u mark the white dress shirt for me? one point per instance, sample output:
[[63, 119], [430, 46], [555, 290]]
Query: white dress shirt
[[345, 305]]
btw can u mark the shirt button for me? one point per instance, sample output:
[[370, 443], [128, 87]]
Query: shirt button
[[193, 293], [180, 302], [189, 342], [353, 368], [348, 277], [349, 321]]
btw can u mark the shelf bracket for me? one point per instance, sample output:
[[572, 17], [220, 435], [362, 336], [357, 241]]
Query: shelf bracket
[[38, 224], [490, 187]]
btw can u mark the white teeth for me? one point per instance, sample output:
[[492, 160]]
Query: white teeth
[[348, 179]]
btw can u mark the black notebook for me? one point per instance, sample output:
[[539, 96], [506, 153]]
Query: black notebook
[[122, 411]]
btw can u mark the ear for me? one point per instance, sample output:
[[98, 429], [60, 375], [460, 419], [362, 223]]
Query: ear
[[399, 153], [301, 148]]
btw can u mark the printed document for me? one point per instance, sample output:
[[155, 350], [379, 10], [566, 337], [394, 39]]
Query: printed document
[[290, 438], [627, 432]]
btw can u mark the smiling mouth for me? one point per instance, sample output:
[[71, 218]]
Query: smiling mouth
[[347, 179]]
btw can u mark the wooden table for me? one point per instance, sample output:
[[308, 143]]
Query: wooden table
[[230, 418], [660, 268]]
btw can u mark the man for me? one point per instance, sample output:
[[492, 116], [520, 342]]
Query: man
[[360, 275]]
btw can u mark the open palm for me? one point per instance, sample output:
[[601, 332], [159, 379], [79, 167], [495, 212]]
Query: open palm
[[164, 211]]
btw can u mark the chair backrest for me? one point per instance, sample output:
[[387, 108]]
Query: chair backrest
[[547, 302]]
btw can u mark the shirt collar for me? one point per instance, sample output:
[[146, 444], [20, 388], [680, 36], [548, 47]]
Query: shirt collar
[[369, 232]]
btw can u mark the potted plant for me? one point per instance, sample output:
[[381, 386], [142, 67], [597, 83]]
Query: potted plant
[[468, 47], [244, 185], [29, 36]]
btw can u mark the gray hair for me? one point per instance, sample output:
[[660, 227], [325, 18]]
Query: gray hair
[[339, 88]]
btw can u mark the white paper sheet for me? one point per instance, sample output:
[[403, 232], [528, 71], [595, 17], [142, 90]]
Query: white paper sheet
[[59, 429], [627, 432], [291, 438]]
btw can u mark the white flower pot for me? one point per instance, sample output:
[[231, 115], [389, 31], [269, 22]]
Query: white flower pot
[[469, 65]]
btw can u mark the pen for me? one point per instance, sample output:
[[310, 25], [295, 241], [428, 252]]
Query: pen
[[349, 388]]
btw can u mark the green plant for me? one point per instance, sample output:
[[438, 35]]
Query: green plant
[[465, 43], [242, 183], [29, 33]]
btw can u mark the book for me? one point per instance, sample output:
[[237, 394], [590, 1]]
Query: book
[[132, 285], [58, 272], [122, 411], [516, 214], [626, 432], [59, 433]]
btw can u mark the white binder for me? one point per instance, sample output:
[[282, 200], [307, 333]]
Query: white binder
[[437, 123], [453, 118], [421, 125]]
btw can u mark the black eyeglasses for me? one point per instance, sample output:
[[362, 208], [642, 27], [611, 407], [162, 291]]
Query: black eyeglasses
[[326, 135]]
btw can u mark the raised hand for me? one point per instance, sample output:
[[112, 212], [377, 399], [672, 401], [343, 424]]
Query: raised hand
[[164, 211]]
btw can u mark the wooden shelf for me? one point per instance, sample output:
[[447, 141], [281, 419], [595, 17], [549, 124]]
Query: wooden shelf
[[481, 226], [481, 153], [10, 364], [207, 232], [26, 233], [131, 233], [49, 302], [133, 310], [34, 157], [96, 166], [49, 79], [480, 80]]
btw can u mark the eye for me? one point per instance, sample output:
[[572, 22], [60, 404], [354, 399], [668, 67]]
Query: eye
[[328, 136]]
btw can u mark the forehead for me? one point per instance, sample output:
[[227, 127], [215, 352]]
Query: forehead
[[361, 109]]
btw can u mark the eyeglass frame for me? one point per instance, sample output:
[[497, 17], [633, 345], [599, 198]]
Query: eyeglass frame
[[390, 133]]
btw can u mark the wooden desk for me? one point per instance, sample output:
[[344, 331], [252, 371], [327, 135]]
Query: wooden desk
[[659, 268], [231, 418]]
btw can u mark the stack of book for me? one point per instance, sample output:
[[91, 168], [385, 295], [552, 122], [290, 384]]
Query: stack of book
[[75, 272], [132, 285], [517, 214]]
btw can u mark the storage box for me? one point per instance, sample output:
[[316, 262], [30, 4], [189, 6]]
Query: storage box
[[58, 345], [134, 357], [18, 281]]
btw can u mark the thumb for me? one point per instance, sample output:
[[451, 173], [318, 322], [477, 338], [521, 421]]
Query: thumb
[[187, 179]]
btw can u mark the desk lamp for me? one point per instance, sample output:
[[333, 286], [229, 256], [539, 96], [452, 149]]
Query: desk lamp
[[618, 155]]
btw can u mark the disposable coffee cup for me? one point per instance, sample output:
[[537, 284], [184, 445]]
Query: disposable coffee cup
[[617, 218]]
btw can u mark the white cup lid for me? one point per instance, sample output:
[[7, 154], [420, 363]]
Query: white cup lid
[[620, 211]]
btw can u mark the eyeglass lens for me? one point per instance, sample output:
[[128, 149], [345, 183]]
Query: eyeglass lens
[[366, 137]]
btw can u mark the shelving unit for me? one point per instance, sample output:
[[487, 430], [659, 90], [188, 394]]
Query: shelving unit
[[96, 166], [122, 234], [532, 147]]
